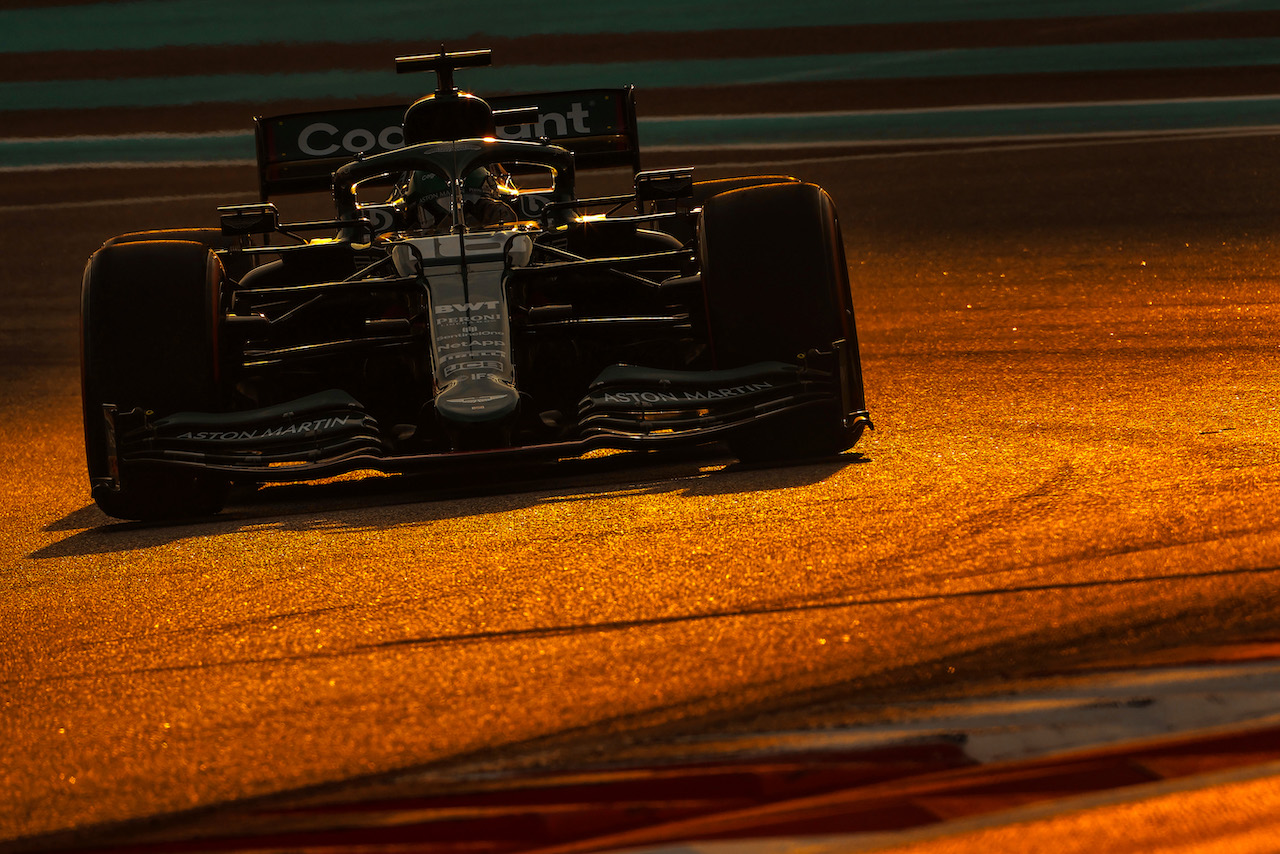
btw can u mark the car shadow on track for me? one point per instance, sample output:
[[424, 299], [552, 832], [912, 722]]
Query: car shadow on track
[[341, 504]]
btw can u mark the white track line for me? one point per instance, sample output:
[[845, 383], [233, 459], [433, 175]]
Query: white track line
[[954, 149]]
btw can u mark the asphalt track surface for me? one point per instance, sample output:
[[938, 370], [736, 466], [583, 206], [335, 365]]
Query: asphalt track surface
[[1071, 360]]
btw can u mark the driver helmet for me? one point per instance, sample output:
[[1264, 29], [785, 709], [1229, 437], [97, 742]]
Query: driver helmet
[[486, 196]]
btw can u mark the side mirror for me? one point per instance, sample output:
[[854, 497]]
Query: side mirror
[[664, 185], [241, 220]]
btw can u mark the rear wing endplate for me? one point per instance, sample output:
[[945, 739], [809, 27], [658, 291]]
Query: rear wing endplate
[[299, 152]]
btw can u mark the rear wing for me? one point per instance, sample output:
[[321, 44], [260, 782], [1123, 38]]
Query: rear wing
[[299, 152]]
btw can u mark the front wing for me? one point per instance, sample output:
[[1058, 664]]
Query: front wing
[[326, 434]]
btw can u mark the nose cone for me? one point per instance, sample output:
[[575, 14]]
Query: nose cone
[[477, 399]]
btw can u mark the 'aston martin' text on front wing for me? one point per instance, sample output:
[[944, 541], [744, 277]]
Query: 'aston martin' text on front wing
[[465, 306]]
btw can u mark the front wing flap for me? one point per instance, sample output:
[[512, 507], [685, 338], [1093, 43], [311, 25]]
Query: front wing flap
[[641, 402]]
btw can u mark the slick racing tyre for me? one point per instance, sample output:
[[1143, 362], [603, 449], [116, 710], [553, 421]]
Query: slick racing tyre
[[776, 286], [212, 238], [682, 229], [150, 325]]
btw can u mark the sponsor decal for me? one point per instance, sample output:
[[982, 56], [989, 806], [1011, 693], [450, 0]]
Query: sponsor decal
[[552, 125], [301, 428], [450, 370], [474, 318], [484, 398], [531, 205], [467, 307], [321, 139], [473, 344], [477, 354], [344, 132], [381, 219], [655, 398]]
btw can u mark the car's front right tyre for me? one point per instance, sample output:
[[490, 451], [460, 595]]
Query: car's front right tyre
[[150, 328]]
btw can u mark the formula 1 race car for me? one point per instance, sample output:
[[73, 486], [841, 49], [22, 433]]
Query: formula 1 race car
[[464, 308]]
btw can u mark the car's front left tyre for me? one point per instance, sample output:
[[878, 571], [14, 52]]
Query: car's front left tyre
[[777, 286]]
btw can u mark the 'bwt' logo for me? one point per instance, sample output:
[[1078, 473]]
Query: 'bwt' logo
[[321, 139]]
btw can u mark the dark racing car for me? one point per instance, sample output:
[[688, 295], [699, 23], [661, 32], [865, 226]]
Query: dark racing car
[[464, 307]]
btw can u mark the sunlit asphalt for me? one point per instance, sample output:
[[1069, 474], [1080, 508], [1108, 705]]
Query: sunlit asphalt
[[1070, 357]]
